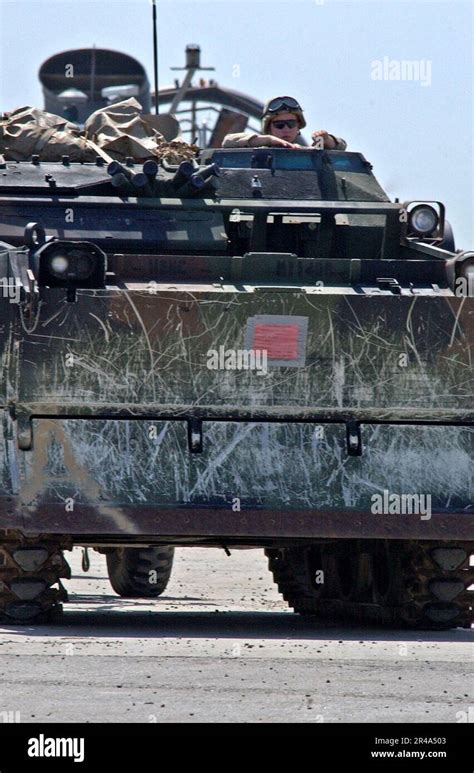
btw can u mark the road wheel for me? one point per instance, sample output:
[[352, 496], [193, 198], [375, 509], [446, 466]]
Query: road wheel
[[301, 576], [414, 584], [140, 572], [30, 568], [425, 585]]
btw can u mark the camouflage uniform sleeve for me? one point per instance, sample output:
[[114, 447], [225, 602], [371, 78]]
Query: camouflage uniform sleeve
[[239, 140], [340, 143]]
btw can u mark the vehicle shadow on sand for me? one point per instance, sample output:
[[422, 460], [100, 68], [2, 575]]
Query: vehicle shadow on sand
[[121, 619]]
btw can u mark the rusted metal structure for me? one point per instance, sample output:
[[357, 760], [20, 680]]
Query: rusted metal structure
[[77, 82]]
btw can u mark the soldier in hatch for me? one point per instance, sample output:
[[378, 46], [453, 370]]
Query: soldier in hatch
[[282, 121]]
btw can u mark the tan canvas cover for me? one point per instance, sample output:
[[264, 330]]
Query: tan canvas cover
[[116, 131], [27, 131], [120, 129]]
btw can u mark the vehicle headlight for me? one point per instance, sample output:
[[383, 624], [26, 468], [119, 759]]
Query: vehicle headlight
[[60, 263], [78, 264], [460, 274], [423, 220], [468, 272]]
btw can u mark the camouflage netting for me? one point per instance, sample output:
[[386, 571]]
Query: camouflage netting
[[119, 130]]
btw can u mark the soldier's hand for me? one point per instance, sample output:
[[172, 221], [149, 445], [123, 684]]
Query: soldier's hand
[[321, 139], [268, 140]]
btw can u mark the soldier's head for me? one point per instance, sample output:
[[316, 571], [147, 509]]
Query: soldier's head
[[283, 117]]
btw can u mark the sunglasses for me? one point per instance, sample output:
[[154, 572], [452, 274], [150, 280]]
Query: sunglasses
[[291, 123], [276, 104]]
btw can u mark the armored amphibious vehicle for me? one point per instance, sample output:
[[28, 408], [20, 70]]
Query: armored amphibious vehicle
[[254, 349]]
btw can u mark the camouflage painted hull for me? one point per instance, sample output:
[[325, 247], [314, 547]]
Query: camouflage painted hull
[[102, 392]]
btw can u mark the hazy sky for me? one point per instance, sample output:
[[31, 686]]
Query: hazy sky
[[417, 133]]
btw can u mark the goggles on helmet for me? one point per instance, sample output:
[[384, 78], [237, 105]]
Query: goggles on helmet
[[280, 103]]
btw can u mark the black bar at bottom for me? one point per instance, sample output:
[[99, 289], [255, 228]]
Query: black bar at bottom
[[99, 747]]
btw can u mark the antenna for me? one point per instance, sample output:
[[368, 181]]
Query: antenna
[[155, 57], [93, 67]]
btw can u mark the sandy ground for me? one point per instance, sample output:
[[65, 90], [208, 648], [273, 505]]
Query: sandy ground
[[221, 645]]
